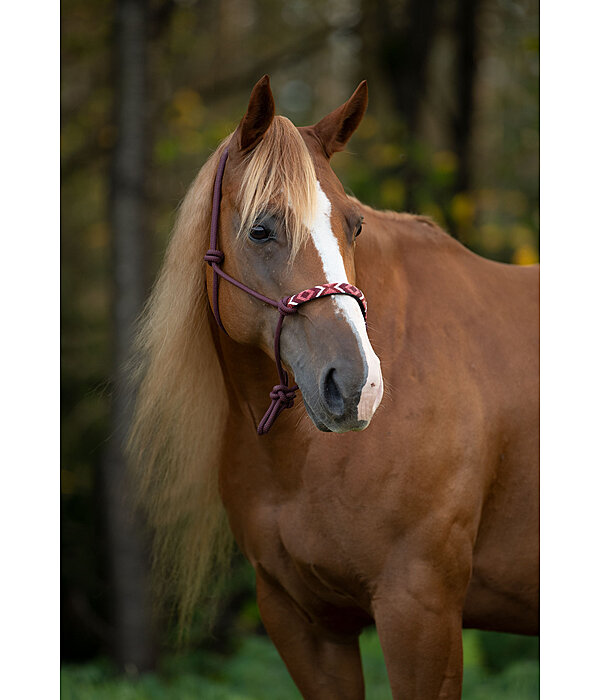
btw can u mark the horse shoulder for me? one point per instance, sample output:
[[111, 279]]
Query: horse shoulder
[[461, 361]]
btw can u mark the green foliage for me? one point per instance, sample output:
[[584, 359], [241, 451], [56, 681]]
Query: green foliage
[[255, 672], [500, 666]]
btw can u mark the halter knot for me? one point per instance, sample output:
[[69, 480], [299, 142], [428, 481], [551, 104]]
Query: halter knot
[[284, 394], [284, 309], [214, 256]]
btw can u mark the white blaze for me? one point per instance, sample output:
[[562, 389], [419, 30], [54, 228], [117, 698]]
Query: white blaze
[[333, 266]]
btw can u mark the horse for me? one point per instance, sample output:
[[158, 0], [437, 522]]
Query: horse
[[406, 494]]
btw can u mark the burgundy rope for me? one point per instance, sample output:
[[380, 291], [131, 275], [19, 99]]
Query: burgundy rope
[[282, 396]]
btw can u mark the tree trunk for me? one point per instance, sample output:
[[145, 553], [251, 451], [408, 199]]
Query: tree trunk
[[133, 642], [466, 64], [403, 51]]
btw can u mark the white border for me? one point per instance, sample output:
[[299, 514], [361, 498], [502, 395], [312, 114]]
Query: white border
[[570, 187], [29, 493]]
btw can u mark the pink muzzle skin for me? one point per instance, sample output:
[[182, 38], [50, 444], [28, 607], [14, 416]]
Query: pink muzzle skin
[[282, 396]]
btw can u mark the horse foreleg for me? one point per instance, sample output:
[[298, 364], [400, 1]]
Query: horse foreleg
[[421, 638], [323, 667]]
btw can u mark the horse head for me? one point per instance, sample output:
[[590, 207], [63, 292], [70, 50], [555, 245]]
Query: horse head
[[286, 225]]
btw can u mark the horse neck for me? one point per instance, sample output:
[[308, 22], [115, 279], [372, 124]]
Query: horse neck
[[270, 462]]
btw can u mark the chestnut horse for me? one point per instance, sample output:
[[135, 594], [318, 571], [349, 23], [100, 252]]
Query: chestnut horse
[[415, 508]]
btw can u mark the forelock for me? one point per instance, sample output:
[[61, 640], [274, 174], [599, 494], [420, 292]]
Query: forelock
[[280, 178]]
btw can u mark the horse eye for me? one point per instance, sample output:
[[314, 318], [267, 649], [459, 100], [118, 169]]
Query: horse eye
[[358, 230], [260, 233]]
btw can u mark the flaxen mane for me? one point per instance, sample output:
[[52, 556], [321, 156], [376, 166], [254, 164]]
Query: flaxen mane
[[181, 404]]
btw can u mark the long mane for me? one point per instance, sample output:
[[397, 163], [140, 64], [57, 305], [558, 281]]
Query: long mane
[[181, 404], [180, 412]]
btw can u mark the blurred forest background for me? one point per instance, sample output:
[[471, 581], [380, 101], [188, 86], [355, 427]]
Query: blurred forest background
[[148, 89]]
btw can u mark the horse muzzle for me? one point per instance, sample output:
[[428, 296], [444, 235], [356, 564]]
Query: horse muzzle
[[344, 394]]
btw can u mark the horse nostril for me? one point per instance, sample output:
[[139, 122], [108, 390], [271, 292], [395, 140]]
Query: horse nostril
[[332, 394]]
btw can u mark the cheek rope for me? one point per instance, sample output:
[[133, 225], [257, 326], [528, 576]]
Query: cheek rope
[[282, 395]]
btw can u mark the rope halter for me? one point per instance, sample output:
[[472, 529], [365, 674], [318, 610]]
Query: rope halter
[[282, 395]]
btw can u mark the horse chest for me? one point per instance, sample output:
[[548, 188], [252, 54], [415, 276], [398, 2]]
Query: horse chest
[[312, 559]]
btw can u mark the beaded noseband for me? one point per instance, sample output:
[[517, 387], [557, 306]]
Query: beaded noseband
[[281, 395]]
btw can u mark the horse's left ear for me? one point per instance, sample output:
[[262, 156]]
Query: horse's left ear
[[259, 115], [335, 130]]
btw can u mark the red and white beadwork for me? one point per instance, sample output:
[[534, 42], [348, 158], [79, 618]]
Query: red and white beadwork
[[323, 290]]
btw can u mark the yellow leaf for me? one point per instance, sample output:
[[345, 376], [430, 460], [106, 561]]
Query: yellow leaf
[[525, 255], [462, 209]]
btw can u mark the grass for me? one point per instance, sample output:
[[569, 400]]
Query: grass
[[496, 667]]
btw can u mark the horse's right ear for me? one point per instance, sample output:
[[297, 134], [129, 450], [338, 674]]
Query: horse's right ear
[[258, 117], [334, 130]]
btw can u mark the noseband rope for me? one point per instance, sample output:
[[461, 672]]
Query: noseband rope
[[281, 395]]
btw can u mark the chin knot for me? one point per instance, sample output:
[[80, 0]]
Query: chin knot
[[282, 396], [285, 395]]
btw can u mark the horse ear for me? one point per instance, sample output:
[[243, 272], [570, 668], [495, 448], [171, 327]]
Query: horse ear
[[335, 130], [259, 115]]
